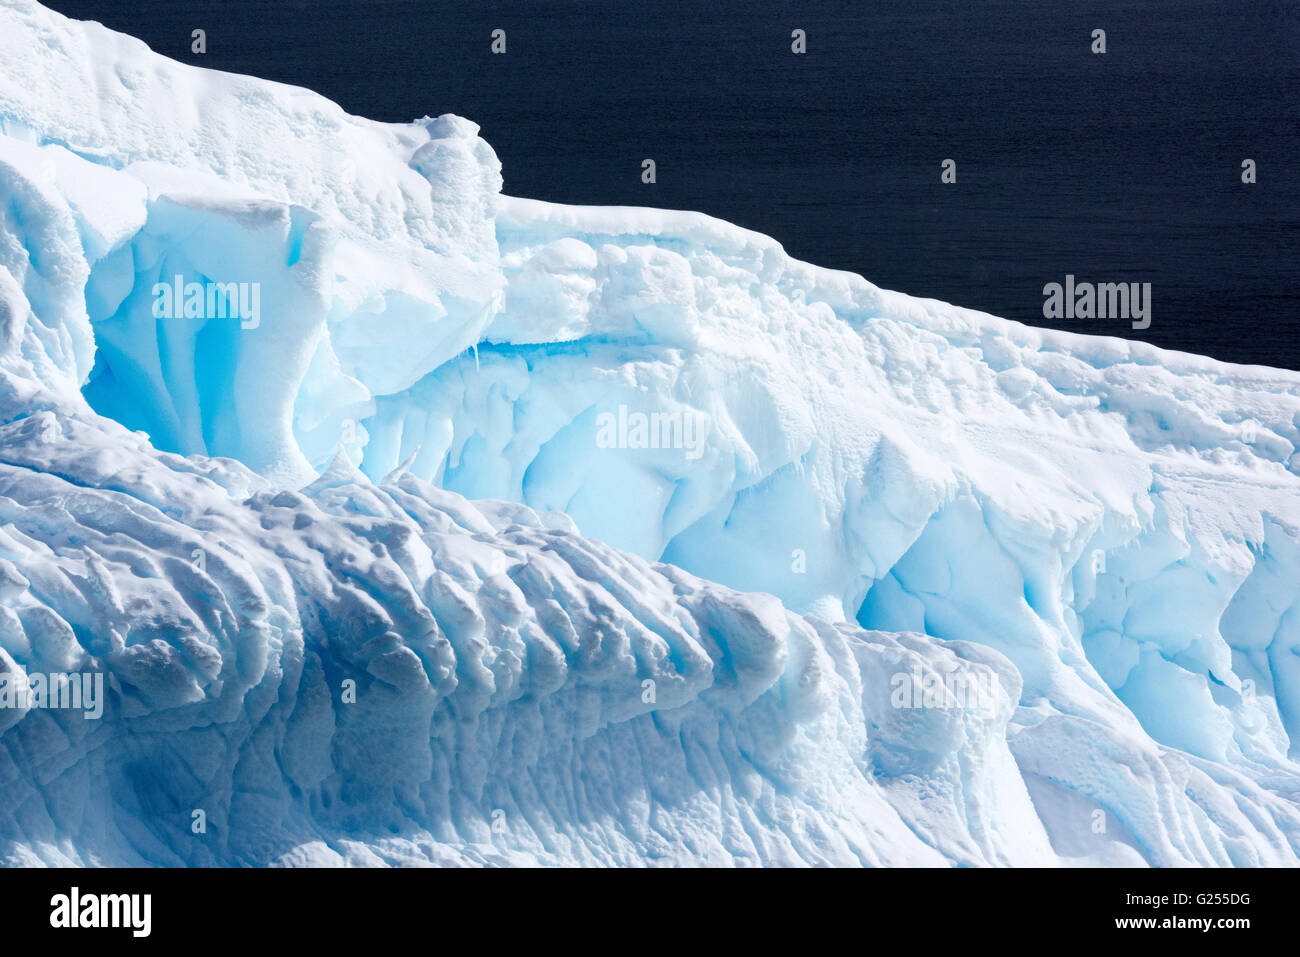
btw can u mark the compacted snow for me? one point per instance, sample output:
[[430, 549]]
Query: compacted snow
[[764, 564]]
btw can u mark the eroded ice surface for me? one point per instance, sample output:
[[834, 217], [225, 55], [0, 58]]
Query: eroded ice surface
[[233, 521]]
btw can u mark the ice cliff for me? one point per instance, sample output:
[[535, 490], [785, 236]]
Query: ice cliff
[[262, 532]]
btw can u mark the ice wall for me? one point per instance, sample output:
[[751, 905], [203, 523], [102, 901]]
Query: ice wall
[[385, 673], [1102, 512]]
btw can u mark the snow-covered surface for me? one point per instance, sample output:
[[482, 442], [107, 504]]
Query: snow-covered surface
[[232, 522]]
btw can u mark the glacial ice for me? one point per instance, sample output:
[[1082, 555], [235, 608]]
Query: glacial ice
[[395, 479]]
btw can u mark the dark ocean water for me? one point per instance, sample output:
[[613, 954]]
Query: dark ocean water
[[1122, 167]]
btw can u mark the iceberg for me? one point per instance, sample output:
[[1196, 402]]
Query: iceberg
[[505, 532]]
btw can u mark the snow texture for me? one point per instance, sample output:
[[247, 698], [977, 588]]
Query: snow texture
[[681, 643]]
